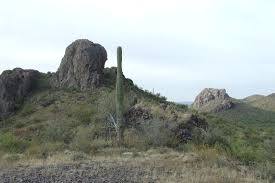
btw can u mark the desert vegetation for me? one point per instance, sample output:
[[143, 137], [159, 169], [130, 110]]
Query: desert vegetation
[[119, 128], [53, 122]]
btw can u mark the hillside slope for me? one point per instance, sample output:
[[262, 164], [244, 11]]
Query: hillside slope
[[253, 110], [66, 117], [260, 113]]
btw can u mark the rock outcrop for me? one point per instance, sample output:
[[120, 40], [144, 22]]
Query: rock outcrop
[[82, 65], [212, 100], [14, 86]]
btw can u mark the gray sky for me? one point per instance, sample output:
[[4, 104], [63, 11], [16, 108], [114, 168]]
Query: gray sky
[[177, 47]]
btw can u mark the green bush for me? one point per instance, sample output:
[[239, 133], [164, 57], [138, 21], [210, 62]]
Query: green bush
[[9, 143], [246, 153], [213, 137], [157, 133], [82, 140], [84, 114], [134, 139], [86, 141], [12, 157], [27, 109], [57, 131], [43, 150]]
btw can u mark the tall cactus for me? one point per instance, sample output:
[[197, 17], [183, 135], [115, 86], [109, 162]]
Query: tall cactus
[[119, 96]]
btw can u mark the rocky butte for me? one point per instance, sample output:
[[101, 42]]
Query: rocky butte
[[212, 100], [81, 67]]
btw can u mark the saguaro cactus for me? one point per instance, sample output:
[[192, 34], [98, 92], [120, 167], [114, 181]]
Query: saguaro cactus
[[119, 96]]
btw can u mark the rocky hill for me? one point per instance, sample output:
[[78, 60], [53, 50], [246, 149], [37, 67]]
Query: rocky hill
[[262, 102], [64, 117], [82, 92], [212, 100], [14, 86], [253, 110], [82, 67]]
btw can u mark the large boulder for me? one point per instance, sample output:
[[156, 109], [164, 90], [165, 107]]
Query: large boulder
[[82, 65], [14, 86], [212, 100]]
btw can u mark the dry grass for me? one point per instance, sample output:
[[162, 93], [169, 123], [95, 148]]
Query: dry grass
[[163, 165]]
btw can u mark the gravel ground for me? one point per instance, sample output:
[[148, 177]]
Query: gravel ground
[[76, 173]]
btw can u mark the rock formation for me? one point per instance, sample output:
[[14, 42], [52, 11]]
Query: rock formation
[[82, 65], [14, 86], [212, 100]]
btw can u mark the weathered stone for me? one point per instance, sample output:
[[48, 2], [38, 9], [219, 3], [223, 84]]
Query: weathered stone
[[14, 86], [212, 100], [82, 65]]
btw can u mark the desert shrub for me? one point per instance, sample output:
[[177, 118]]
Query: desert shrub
[[208, 154], [9, 143], [7, 122], [82, 140], [12, 157], [270, 146], [84, 113], [266, 170], [158, 134], [19, 124], [78, 156], [42, 82], [46, 99], [270, 172], [57, 131], [245, 152], [134, 139], [43, 150], [198, 136], [215, 137], [86, 141], [54, 109], [27, 109], [98, 129], [185, 147]]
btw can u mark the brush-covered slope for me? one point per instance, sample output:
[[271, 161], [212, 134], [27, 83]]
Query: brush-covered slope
[[253, 110], [69, 114], [251, 114], [263, 102], [74, 108]]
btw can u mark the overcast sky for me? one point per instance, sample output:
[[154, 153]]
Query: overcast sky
[[177, 47]]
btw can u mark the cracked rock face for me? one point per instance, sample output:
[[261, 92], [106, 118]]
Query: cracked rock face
[[212, 100], [14, 86], [82, 65]]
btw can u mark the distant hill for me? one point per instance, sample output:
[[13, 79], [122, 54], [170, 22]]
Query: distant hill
[[265, 103], [253, 98], [257, 113], [256, 109], [189, 103]]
